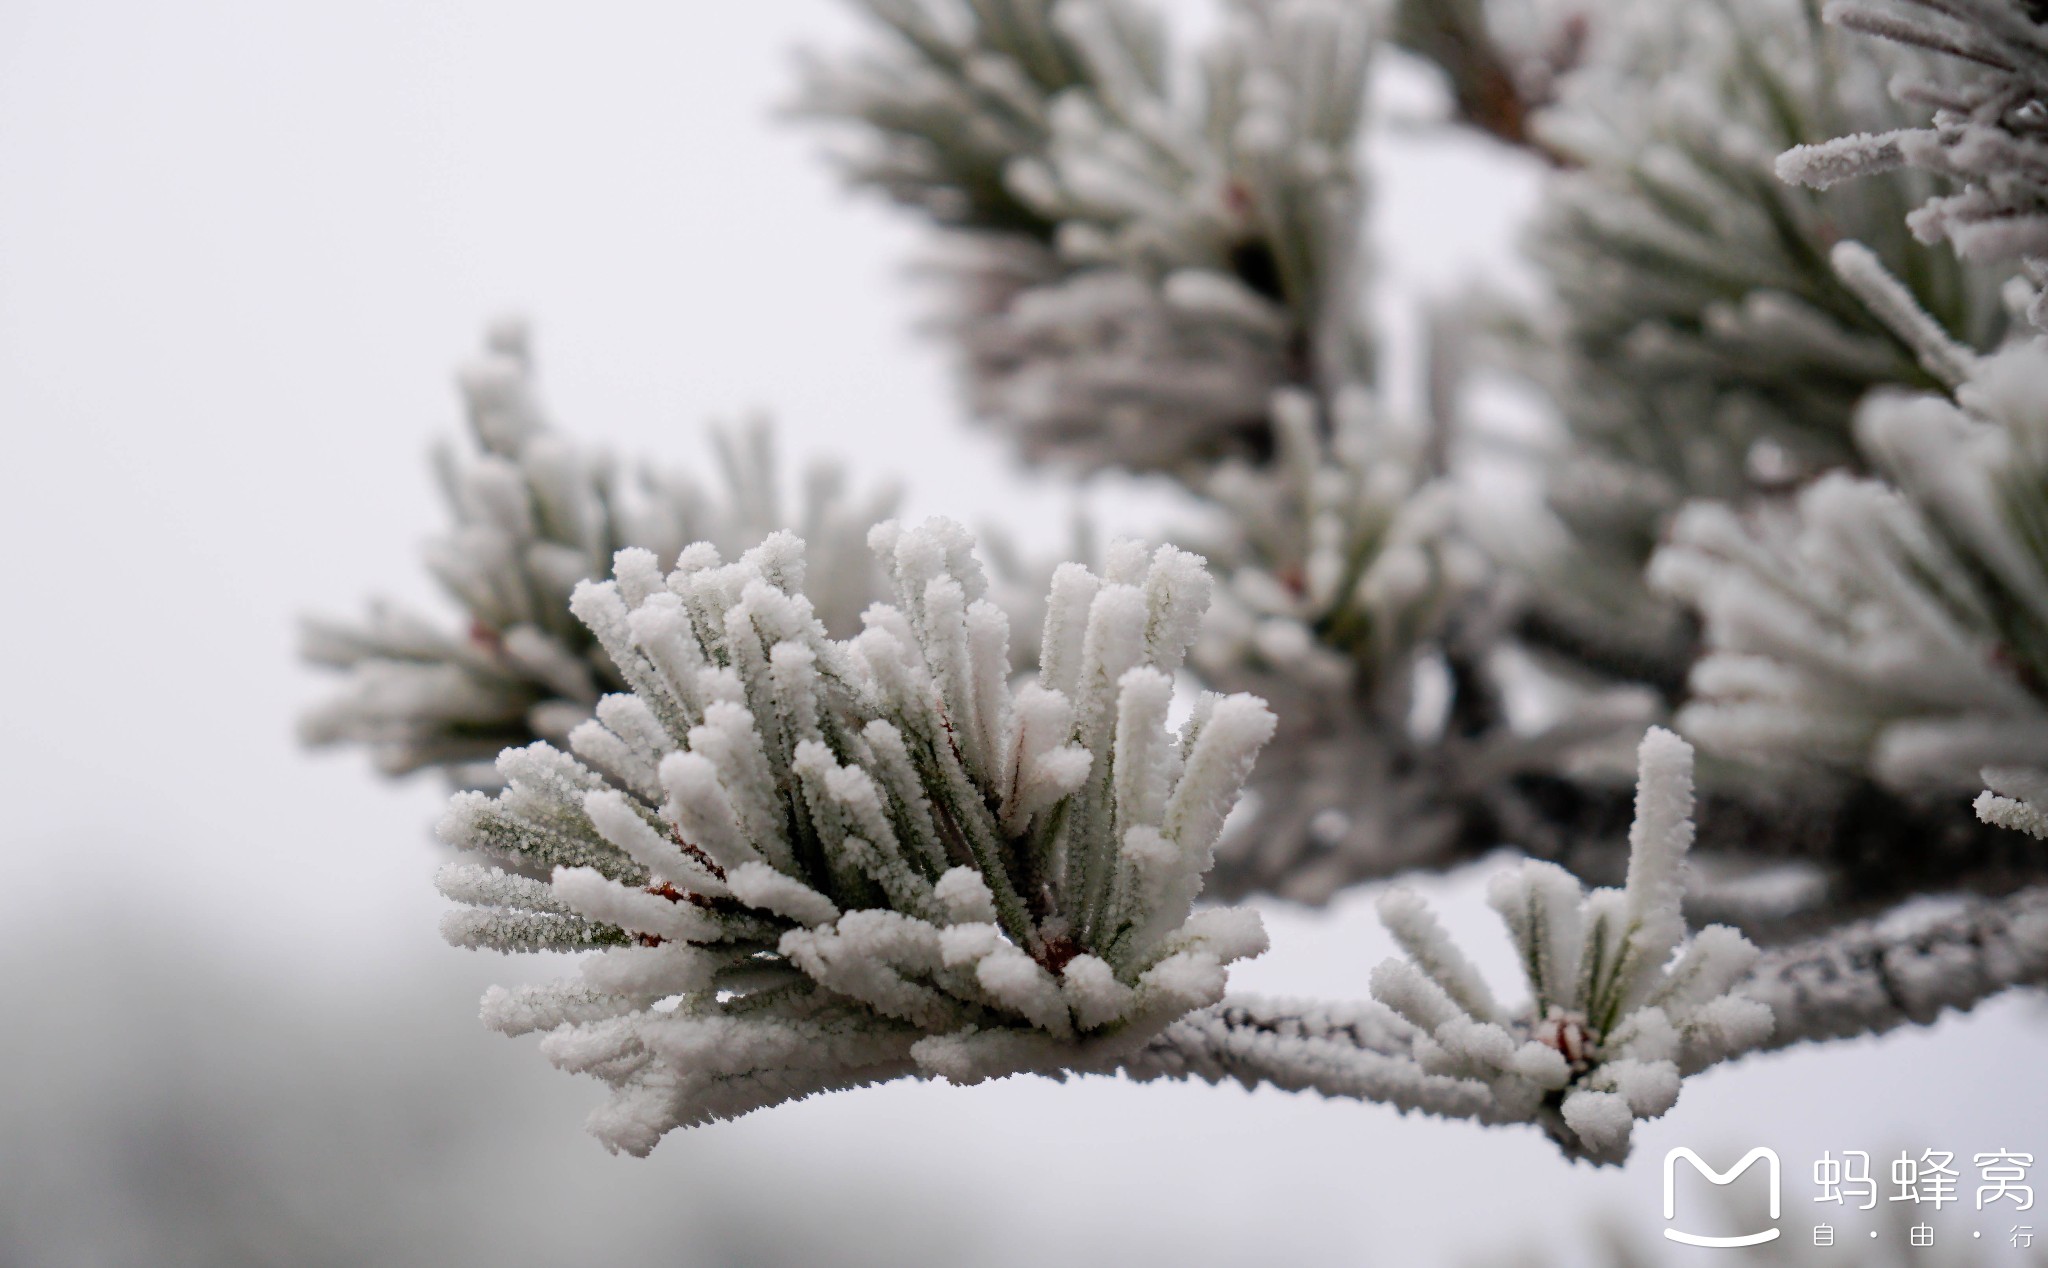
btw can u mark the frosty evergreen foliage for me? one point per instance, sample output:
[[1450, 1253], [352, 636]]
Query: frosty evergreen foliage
[[1699, 343], [819, 864], [1622, 1001], [1989, 134], [1134, 271], [1896, 626], [1339, 564], [1797, 508], [536, 513]]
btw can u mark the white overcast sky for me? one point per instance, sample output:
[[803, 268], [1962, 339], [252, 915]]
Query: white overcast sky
[[241, 248]]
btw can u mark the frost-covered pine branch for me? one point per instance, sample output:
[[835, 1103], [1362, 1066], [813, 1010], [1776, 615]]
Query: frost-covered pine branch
[[535, 513], [1698, 343], [1623, 1001], [1865, 978], [1133, 272], [818, 864], [1989, 134], [802, 861], [1903, 969], [1900, 628]]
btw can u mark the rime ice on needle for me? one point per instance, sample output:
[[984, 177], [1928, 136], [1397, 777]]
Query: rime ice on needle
[[1623, 1002], [815, 864], [2016, 799]]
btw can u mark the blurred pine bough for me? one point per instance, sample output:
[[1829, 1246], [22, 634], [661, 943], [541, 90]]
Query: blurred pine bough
[[1794, 504]]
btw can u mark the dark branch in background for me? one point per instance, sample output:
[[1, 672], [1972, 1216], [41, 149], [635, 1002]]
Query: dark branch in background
[[1490, 90]]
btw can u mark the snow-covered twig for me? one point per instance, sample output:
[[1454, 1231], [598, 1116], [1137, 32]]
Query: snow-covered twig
[[1881, 974], [2016, 799]]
